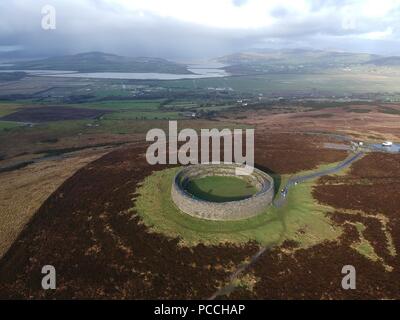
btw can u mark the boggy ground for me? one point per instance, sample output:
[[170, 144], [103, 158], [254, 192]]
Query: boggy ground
[[23, 191], [46, 114], [367, 195], [364, 122], [288, 153], [102, 250]]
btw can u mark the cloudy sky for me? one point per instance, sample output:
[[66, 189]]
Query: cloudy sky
[[193, 29]]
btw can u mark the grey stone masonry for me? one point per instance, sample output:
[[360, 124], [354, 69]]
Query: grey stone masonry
[[231, 210]]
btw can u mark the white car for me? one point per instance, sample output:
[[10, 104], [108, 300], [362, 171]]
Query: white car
[[387, 143]]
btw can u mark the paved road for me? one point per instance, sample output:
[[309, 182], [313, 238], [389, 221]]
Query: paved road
[[280, 201]]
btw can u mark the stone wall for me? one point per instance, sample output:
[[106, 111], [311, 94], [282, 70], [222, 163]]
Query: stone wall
[[232, 210]]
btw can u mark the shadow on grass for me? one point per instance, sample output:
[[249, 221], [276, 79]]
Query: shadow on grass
[[276, 176]]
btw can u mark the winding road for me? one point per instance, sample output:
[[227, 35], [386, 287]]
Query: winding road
[[280, 201]]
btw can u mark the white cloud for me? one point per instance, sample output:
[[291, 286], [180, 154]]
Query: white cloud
[[187, 27], [378, 35], [258, 14], [378, 8], [249, 14]]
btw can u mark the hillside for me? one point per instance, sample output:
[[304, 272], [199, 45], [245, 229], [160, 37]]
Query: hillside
[[297, 56], [387, 61], [102, 62], [291, 60]]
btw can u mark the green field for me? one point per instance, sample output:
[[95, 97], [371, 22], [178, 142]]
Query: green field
[[330, 81], [102, 62], [8, 108], [143, 115], [8, 125], [220, 188], [119, 105]]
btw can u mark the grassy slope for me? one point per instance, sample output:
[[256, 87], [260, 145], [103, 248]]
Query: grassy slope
[[142, 115], [301, 219], [133, 110], [7, 125], [363, 246], [8, 108], [138, 105], [102, 62], [5, 109]]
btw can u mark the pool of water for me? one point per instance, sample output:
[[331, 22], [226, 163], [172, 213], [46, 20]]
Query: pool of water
[[141, 76], [199, 72]]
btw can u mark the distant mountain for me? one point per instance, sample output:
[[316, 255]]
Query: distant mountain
[[12, 76], [387, 61], [297, 56], [265, 61], [14, 55], [102, 62]]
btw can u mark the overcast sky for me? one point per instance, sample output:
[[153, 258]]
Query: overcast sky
[[193, 29]]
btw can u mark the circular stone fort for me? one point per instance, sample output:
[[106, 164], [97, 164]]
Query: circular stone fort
[[215, 192]]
